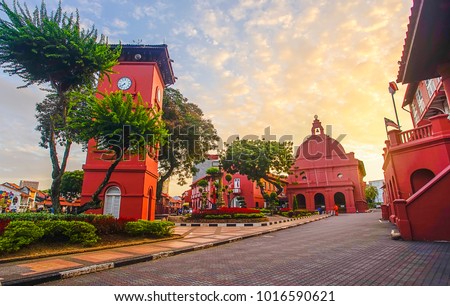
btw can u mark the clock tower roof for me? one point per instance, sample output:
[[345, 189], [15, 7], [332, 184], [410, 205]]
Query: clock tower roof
[[150, 53]]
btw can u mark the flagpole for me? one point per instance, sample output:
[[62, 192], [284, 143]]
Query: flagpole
[[392, 89]]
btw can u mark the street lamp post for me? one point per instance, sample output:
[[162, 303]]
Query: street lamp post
[[220, 202], [392, 90]]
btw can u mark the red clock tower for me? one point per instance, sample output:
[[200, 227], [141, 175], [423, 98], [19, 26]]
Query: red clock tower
[[130, 193]]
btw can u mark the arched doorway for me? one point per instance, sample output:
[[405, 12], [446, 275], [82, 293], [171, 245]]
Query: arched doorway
[[339, 200], [319, 201], [420, 178], [301, 200], [112, 202]]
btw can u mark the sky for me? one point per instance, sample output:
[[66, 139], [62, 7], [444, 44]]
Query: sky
[[250, 65]]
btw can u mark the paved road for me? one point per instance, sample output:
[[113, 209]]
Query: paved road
[[350, 249]]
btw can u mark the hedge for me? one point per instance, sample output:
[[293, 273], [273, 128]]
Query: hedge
[[18, 234], [21, 233], [150, 228]]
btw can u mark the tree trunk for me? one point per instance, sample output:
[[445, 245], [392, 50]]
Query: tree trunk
[[159, 184], [96, 202]]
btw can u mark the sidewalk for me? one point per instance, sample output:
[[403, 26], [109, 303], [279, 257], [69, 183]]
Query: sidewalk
[[31, 272]]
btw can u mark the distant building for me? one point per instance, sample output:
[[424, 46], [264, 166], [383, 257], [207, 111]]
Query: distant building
[[13, 198], [32, 184], [379, 184], [323, 175]]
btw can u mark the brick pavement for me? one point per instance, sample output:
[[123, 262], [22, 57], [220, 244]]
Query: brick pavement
[[351, 249], [194, 238]]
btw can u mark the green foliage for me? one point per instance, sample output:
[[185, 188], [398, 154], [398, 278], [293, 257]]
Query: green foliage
[[249, 216], [150, 228], [104, 120], [19, 234], [213, 171], [295, 204], [228, 177], [52, 48], [71, 184], [219, 216], [47, 216], [265, 210], [202, 183], [191, 137], [371, 193], [298, 213], [81, 232], [257, 159]]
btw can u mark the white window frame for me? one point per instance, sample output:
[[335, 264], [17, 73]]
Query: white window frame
[[113, 197]]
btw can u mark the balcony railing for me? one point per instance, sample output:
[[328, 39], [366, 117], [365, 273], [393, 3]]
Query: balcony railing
[[415, 134]]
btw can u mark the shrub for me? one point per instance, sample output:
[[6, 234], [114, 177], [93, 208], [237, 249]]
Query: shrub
[[198, 214], [265, 211], [72, 231], [223, 216], [81, 232], [54, 230], [19, 234], [249, 216], [150, 228]]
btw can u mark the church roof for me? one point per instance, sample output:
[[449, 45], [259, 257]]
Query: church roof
[[319, 145]]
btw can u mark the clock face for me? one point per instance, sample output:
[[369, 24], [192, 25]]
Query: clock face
[[124, 83]]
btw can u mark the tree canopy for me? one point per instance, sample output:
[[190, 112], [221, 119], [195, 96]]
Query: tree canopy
[[191, 137], [52, 48], [371, 193], [71, 184], [259, 160], [122, 126]]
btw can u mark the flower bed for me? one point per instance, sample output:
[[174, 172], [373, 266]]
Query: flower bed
[[227, 215]]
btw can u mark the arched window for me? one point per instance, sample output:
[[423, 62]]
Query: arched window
[[112, 202], [319, 200], [301, 200], [420, 178], [339, 200]]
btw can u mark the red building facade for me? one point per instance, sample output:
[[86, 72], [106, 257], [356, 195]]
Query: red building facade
[[417, 162], [238, 190], [130, 193], [323, 175]]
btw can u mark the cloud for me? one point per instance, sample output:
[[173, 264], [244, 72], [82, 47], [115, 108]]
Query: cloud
[[119, 23]]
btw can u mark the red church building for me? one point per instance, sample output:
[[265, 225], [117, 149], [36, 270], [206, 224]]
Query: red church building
[[417, 162], [323, 175], [130, 193]]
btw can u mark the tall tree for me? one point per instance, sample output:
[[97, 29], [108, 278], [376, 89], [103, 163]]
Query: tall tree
[[258, 160], [51, 49], [191, 137], [71, 184], [371, 193], [121, 126]]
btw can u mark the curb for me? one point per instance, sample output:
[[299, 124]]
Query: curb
[[238, 224], [52, 276]]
